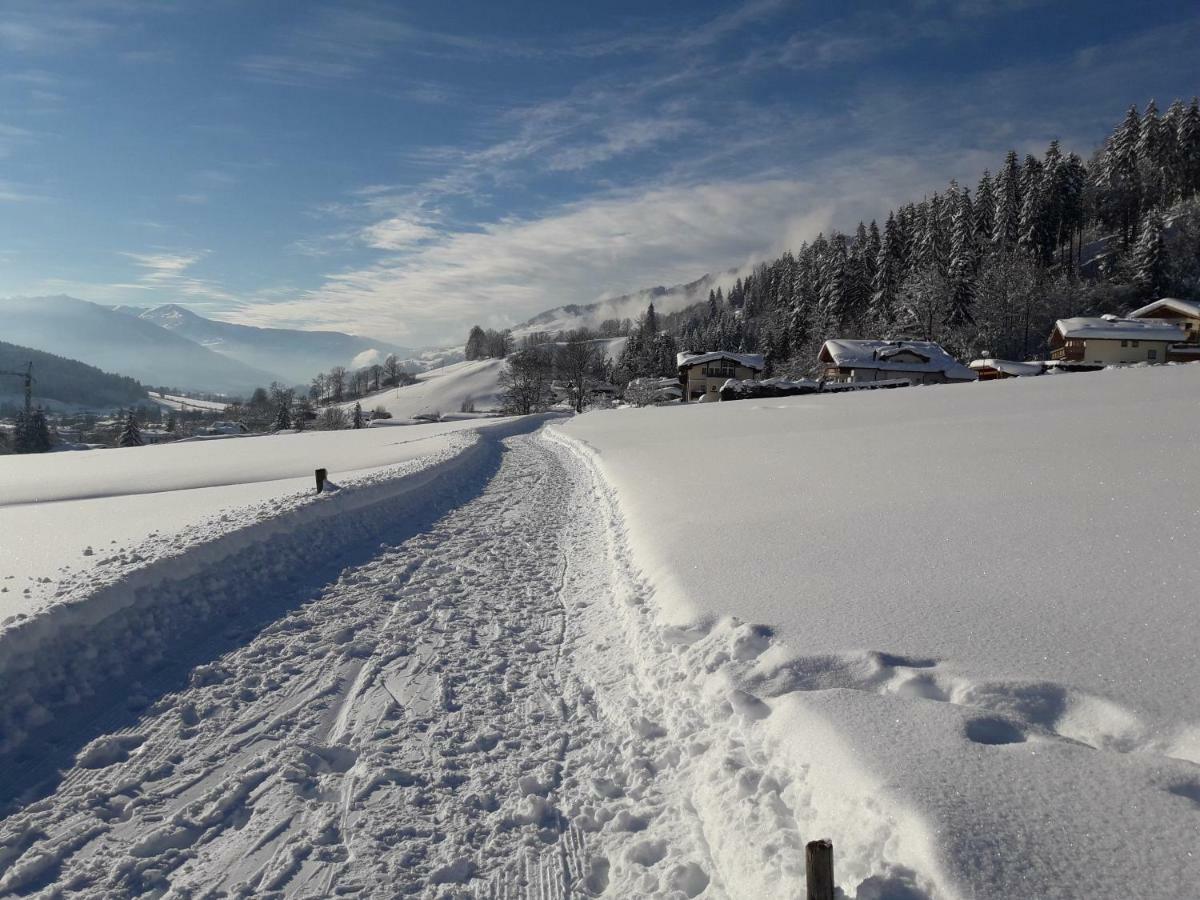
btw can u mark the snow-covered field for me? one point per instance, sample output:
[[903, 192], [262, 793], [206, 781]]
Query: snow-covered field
[[442, 391], [171, 401], [55, 508], [640, 653], [962, 619]]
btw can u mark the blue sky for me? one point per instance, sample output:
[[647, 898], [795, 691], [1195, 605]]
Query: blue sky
[[408, 169]]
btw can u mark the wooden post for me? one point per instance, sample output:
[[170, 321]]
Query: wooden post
[[818, 864], [321, 473]]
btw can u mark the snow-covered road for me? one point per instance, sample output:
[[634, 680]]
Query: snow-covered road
[[461, 714]]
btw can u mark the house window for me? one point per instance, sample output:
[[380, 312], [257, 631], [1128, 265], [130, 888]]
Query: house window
[[1151, 354], [1135, 343], [723, 369], [1124, 343]]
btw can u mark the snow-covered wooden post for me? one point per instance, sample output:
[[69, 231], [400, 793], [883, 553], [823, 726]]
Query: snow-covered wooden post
[[818, 865], [321, 473]]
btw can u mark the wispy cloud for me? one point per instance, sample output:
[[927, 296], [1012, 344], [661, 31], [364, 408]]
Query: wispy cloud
[[15, 193], [344, 42], [169, 272], [584, 251], [398, 233]]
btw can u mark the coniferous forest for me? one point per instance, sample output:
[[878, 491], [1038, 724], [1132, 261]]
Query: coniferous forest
[[985, 271]]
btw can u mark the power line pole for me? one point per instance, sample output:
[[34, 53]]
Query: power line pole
[[28, 376]]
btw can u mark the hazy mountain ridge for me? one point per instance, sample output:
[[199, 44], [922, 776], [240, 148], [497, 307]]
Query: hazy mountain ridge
[[117, 342], [293, 354]]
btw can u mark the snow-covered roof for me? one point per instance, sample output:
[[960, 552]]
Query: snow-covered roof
[[749, 360], [769, 387], [1008, 367], [1185, 307], [1113, 328], [930, 357]]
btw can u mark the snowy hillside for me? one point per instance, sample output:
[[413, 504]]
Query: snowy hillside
[[172, 401], [959, 622], [442, 390], [626, 306]]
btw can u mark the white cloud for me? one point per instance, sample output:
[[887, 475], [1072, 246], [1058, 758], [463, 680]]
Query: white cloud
[[514, 268], [168, 271], [14, 193], [397, 233]]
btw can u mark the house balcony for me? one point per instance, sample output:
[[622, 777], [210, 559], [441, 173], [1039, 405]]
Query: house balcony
[[1068, 353]]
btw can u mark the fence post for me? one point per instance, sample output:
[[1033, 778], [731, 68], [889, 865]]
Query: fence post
[[818, 865], [321, 473]]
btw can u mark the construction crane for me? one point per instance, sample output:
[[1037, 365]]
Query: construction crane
[[29, 379]]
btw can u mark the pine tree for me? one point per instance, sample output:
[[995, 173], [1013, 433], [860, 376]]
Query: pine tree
[[476, 344], [1118, 176], [1152, 156], [1073, 207], [283, 419], [961, 271], [32, 433], [651, 323], [933, 235], [833, 300], [172, 422], [1007, 227], [888, 277], [1149, 255], [859, 270], [357, 420], [1173, 156], [985, 209], [1188, 143], [1033, 235], [131, 435]]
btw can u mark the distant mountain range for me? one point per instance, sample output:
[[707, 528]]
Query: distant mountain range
[[294, 356], [116, 342], [171, 346]]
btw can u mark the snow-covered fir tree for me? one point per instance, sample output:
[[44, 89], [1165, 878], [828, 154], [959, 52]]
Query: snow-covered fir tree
[[32, 432], [1149, 256], [283, 418], [131, 435]]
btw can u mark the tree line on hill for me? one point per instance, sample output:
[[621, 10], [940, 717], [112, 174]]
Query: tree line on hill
[[340, 384], [985, 273], [66, 380]]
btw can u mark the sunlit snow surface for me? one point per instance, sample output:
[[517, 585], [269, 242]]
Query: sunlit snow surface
[[443, 391], [971, 612], [54, 508]]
